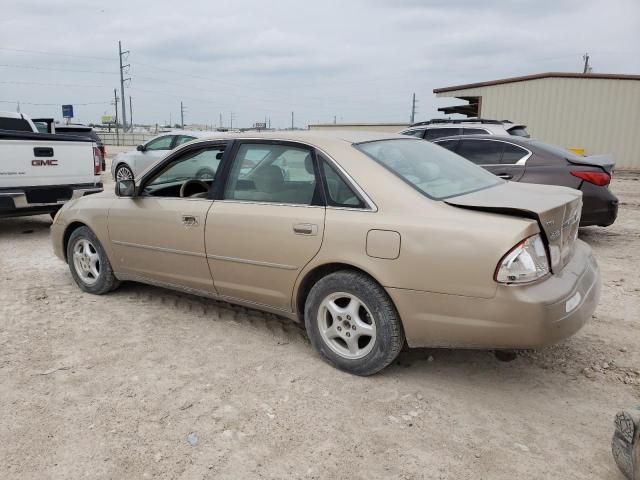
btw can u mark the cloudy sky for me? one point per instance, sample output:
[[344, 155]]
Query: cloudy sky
[[358, 60]]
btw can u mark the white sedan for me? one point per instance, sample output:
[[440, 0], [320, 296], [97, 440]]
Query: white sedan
[[128, 165]]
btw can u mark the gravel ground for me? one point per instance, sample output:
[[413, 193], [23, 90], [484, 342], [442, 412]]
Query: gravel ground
[[145, 382]]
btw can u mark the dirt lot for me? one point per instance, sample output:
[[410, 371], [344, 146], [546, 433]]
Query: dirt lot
[[147, 383]]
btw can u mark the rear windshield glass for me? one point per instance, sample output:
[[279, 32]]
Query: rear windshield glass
[[519, 131], [556, 150], [434, 171]]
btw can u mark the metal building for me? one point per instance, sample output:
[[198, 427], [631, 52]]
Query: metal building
[[599, 113]]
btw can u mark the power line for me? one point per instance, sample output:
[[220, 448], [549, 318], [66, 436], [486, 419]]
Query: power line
[[52, 84], [32, 67], [21, 50], [54, 104]]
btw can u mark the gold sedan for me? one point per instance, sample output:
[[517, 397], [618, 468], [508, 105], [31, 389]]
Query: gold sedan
[[367, 238]]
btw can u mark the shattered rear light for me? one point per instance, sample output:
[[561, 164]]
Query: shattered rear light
[[597, 178]]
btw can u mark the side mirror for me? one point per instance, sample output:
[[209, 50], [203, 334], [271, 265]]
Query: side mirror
[[141, 148], [125, 188]]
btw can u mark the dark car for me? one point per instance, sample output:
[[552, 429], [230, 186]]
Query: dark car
[[88, 132], [528, 160]]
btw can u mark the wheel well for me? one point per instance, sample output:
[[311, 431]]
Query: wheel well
[[67, 234], [121, 163], [316, 274]]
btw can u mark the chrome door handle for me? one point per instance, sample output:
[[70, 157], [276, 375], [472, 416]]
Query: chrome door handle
[[189, 220], [305, 229], [505, 176]]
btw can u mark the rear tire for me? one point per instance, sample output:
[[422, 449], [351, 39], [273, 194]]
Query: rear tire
[[88, 263], [353, 323]]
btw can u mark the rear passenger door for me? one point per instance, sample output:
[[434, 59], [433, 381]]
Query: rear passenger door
[[266, 223], [489, 153]]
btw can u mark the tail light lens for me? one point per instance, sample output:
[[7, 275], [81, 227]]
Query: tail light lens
[[597, 178], [526, 262], [97, 161]]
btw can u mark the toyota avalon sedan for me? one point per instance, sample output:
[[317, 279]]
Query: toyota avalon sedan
[[370, 239]]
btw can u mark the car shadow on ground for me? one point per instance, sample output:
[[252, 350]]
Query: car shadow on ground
[[284, 331]]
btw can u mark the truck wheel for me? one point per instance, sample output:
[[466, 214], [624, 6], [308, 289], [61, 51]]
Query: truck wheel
[[88, 262], [123, 172], [353, 323]]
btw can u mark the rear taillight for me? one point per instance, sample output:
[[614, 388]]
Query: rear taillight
[[97, 161], [597, 178], [524, 263]]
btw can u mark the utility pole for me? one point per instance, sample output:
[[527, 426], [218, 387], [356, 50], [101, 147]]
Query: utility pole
[[122, 80], [587, 68], [130, 114], [230, 120], [413, 109], [115, 103], [182, 115], [334, 119], [291, 120]]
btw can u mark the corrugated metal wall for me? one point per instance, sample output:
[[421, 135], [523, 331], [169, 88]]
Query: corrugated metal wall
[[600, 115]]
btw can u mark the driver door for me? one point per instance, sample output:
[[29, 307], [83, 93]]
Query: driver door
[[158, 235]]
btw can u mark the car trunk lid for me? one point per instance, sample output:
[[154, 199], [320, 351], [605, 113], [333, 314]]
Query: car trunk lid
[[605, 162], [556, 209]]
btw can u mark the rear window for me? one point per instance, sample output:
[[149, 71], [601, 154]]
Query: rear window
[[519, 131], [474, 131], [556, 150], [16, 124], [435, 172], [433, 133]]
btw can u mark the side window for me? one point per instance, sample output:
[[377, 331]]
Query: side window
[[414, 133], [433, 133], [481, 152], [16, 124], [183, 139], [474, 131], [162, 143], [272, 173], [513, 153], [448, 144], [200, 165], [338, 192]]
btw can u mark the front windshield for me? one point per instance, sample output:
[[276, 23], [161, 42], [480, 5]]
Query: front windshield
[[434, 171]]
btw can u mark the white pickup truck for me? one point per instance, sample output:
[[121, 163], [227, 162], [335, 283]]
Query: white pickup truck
[[39, 172]]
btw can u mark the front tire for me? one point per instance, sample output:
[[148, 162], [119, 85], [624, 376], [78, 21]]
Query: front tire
[[353, 323], [123, 172], [88, 263]]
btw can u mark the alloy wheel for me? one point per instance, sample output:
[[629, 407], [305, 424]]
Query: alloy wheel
[[124, 173], [86, 261], [346, 325]]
